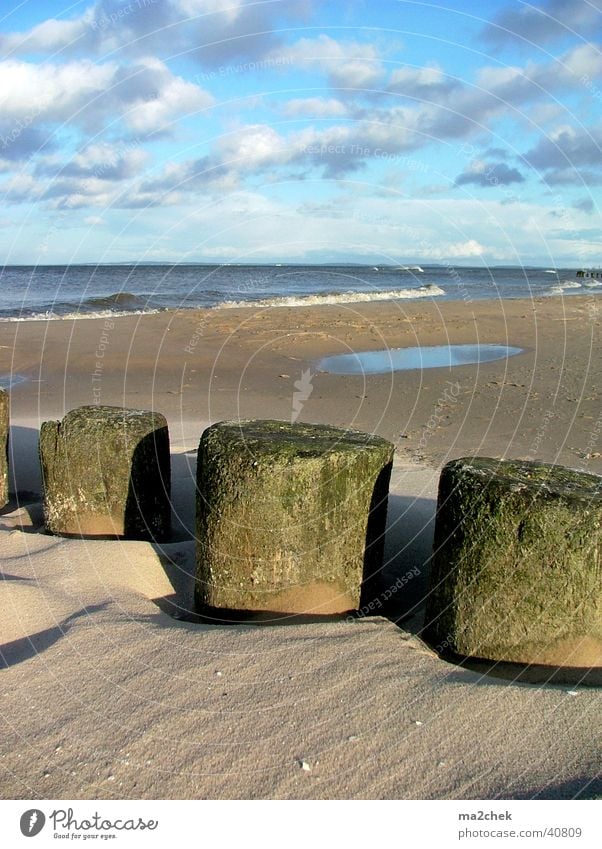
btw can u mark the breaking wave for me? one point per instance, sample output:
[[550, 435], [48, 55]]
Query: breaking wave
[[50, 315], [100, 306], [431, 290], [561, 288]]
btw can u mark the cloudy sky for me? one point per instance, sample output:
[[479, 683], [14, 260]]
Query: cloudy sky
[[297, 130]]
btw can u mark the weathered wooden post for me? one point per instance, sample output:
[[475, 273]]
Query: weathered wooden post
[[288, 517], [106, 471], [4, 430], [516, 571]]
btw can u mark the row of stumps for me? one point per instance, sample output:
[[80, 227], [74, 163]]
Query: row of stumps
[[291, 520]]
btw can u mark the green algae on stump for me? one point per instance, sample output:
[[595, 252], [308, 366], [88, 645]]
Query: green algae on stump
[[4, 429], [106, 472], [516, 573], [288, 516]]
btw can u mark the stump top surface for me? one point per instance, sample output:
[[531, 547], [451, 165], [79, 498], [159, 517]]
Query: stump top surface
[[530, 475], [278, 438], [112, 416]]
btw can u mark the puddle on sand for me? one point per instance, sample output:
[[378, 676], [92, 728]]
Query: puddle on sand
[[404, 359], [7, 381]]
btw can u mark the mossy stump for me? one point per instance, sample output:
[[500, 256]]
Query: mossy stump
[[289, 517], [106, 472], [4, 429], [516, 573]]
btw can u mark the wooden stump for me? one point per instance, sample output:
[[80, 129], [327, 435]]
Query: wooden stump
[[288, 517], [106, 472], [4, 429], [516, 573]]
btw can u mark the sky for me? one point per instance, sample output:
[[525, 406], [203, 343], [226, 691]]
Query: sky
[[460, 133]]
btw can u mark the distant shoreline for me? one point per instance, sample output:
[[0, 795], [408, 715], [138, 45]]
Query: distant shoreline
[[82, 291]]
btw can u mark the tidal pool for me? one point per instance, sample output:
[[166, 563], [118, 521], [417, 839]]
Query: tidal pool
[[404, 359], [7, 381]]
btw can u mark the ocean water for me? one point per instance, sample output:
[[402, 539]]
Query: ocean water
[[96, 290]]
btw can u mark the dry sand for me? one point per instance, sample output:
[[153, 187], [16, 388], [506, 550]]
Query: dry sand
[[106, 695]]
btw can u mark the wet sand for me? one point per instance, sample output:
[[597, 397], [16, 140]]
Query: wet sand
[[199, 366]]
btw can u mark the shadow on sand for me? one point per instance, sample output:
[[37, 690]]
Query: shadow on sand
[[577, 788], [24, 648], [398, 591]]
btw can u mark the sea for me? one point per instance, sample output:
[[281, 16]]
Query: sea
[[87, 291]]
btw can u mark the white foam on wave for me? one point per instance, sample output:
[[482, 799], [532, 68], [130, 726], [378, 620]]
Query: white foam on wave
[[428, 291], [52, 316], [561, 288], [410, 268], [592, 284]]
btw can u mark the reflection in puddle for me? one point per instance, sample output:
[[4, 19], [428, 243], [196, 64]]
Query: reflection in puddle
[[403, 359]]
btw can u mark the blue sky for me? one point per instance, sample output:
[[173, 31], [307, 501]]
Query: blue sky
[[294, 130]]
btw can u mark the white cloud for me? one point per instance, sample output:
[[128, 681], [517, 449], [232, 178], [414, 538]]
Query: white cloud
[[349, 64], [489, 174], [20, 187], [50, 92], [254, 146], [543, 23], [393, 228], [50, 36], [543, 113], [457, 250], [315, 107], [566, 144], [584, 60], [461, 109], [428, 82], [211, 31], [175, 98], [101, 160], [239, 224], [111, 159], [38, 98], [536, 80], [430, 75]]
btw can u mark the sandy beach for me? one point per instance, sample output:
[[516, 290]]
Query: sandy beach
[[111, 689]]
